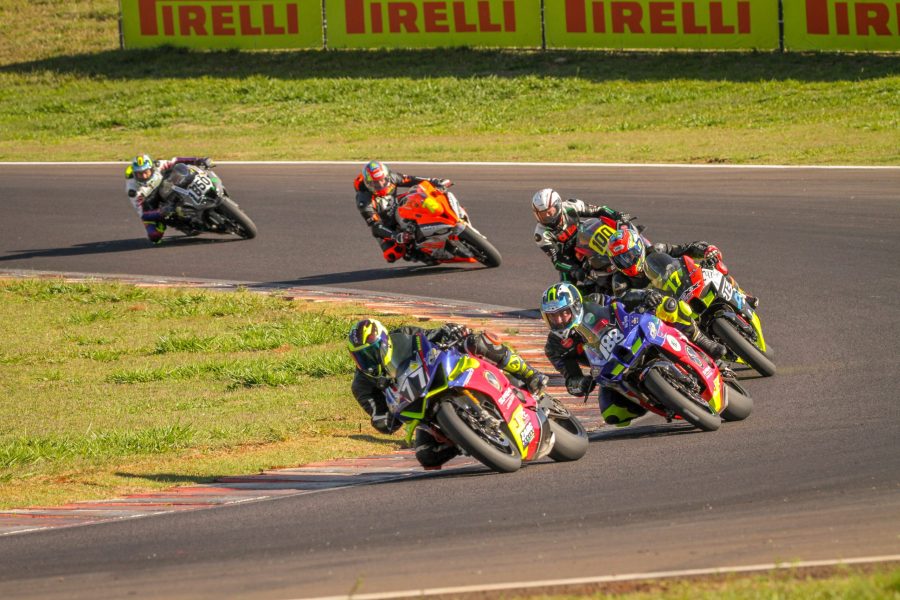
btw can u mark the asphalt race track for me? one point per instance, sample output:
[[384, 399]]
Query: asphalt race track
[[813, 474]]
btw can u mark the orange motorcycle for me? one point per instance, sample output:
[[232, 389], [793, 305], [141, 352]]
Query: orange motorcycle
[[441, 229]]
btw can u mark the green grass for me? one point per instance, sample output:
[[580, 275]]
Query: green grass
[[67, 92], [873, 582], [108, 388]]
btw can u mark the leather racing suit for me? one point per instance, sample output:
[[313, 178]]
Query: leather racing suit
[[558, 241], [370, 393], [379, 213], [150, 198]]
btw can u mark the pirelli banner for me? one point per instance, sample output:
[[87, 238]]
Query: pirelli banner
[[222, 23], [842, 25], [433, 23], [652, 24], [699, 24]]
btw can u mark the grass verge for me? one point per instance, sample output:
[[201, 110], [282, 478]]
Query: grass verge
[[107, 389], [67, 92], [869, 582]]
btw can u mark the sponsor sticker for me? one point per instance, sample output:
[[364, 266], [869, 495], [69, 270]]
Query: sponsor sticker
[[676, 345], [492, 379]]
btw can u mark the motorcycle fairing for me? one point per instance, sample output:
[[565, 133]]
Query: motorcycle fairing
[[433, 370], [637, 333]]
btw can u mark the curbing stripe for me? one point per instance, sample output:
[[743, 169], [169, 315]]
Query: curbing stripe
[[600, 579], [314, 477]]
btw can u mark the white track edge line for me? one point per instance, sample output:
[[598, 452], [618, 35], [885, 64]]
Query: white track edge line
[[493, 164], [610, 578]]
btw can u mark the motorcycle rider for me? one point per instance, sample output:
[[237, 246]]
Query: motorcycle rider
[[376, 200], [150, 198], [378, 353], [636, 268], [570, 319], [557, 230]]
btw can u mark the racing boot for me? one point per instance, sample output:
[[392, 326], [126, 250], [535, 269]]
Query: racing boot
[[534, 380], [713, 348]]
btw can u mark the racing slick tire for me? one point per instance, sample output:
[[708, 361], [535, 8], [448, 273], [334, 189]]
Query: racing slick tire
[[743, 347], [501, 455], [481, 248], [683, 406]]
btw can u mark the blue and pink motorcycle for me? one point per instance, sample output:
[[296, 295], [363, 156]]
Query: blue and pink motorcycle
[[655, 366]]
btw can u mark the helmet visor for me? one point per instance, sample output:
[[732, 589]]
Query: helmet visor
[[561, 319], [548, 216], [628, 259], [143, 175], [370, 359]]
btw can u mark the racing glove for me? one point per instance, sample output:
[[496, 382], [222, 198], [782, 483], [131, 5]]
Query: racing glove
[[206, 162], [652, 298], [579, 385], [536, 383], [384, 423], [440, 183], [453, 333], [712, 253]]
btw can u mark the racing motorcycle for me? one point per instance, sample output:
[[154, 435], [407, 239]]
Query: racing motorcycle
[[590, 249], [201, 204], [719, 306], [442, 232], [655, 366], [469, 402]]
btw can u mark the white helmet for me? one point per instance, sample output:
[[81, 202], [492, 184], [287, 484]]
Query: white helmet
[[547, 207]]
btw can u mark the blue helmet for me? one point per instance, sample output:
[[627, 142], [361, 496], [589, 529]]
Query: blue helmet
[[142, 168], [562, 308]]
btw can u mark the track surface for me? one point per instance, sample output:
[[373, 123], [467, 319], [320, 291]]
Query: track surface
[[813, 474]]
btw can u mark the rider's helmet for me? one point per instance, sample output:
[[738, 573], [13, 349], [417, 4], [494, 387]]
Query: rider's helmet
[[142, 168], [181, 175], [370, 346], [377, 178], [626, 250], [547, 207], [562, 308]]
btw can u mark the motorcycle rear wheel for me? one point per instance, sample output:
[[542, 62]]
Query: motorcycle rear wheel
[[743, 347], [243, 226], [571, 439], [502, 460], [483, 250], [683, 406]]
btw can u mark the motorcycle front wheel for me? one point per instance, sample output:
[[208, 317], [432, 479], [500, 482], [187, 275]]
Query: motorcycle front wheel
[[683, 406], [739, 405], [743, 347], [483, 251], [496, 451], [571, 439], [241, 223]]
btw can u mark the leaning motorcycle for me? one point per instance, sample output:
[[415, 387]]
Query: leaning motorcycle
[[441, 229], [469, 402], [591, 250], [202, 205], [655, 366], [719, 306]]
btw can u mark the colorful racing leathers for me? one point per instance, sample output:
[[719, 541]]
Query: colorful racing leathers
[[558, 242], [370, 393], [149, 197], [379, 212]]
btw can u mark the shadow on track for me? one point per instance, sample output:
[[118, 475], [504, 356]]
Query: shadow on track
[[643, 431], [173, 478], [126, 245], [365, 275]]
